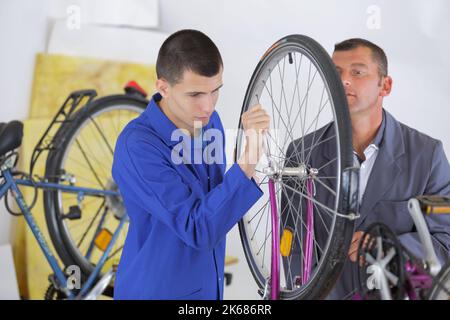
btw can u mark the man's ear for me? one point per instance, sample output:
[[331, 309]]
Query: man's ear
[[387, 86], [162, 86]]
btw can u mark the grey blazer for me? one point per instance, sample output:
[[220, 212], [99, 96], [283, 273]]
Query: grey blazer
[[408, 164]]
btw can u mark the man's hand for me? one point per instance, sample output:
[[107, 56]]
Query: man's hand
[[353, 251], [256, 122]]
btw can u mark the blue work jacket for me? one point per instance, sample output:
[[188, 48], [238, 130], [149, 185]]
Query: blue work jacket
[[179, 213]]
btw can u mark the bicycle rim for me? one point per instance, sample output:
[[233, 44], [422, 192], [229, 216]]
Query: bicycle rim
[[297, 84]]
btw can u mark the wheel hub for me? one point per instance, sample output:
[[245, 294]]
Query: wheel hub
[[302, 171]]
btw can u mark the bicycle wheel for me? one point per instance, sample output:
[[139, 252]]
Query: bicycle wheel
[[84, 159], [441, 284], [308, 149]]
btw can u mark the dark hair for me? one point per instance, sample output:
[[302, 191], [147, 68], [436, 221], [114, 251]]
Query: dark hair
[[187, 50], [378, 54]]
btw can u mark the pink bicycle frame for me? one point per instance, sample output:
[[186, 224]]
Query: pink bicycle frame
[[275, 261]]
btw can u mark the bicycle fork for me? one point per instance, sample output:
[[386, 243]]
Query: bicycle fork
[[275, 262], [275, 222], [275, 258]]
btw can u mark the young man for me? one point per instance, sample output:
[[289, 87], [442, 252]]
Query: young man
[[181, 211], [396, 162]]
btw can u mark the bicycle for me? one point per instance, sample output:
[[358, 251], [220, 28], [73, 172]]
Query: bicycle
[[387, 270], [310, 200], [80, 143]]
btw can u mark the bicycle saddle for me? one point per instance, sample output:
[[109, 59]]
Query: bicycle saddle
[[11, 134]]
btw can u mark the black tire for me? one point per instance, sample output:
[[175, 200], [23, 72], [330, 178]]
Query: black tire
[[333, 258], [59, 234]]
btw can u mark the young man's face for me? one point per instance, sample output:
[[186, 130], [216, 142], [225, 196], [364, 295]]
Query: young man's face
[[192, 99], [363, 85]]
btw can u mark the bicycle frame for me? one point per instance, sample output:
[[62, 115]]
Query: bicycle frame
[[275, 262], [424, 235], [11, 183]]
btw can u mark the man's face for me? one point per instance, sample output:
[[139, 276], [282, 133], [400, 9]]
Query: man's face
[[363, 85], [193, 98]]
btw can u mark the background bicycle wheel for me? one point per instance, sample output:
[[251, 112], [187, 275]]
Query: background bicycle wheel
[[86, 154]]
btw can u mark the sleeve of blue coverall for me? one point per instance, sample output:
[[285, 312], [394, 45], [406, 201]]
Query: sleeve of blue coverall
[[198, 220], [439, 225]]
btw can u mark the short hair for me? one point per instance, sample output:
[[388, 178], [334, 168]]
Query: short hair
[[378, 54], [187, 50]]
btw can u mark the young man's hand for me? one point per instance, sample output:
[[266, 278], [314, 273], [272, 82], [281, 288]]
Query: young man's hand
[[256, 122]]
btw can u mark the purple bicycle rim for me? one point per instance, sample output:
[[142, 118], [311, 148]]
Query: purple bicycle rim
[[275, 263], [309, 234]]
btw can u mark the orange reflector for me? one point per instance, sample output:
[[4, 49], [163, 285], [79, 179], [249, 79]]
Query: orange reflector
[[103, 239], [286, 242]]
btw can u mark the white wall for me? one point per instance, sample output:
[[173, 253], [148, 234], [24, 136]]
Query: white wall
[[414, 33], [23, 30]]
